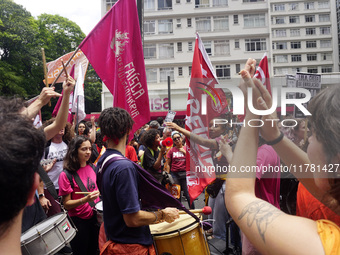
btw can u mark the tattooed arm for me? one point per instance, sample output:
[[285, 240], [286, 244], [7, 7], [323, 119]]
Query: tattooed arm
[[269, 230]]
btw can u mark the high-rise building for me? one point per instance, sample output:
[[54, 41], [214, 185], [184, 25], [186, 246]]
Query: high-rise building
[[298, 36]]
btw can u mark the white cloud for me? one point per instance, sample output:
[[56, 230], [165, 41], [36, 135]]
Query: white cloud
[[85, 13]]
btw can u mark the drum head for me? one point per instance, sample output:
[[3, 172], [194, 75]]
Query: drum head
[[183, 225], [99, 206]]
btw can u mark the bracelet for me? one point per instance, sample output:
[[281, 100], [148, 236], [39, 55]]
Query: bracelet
[[156, 216], [277, 140]]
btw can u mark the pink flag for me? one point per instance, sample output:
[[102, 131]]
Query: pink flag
[[205, 102], [57, 106], [262, 72], [114, 49]]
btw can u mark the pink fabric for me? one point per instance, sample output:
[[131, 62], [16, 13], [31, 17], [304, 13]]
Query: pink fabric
[[114, 49], [88, 177], [177, 159], [202, 82], [267, 184]]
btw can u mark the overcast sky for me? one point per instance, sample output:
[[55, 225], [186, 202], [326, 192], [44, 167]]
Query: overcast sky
[[85, 13]]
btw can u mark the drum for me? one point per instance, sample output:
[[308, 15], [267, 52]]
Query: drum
[[99, 209], [183, 236], [49, 236]]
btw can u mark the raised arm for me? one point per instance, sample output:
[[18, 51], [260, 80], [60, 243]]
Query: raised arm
[[210, 143], [269, 229], [61, 119]]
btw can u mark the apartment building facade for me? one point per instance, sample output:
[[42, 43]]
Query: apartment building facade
[[298, 36]]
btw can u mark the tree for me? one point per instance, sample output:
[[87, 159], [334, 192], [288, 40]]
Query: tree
[[92, 91], [19, 51]]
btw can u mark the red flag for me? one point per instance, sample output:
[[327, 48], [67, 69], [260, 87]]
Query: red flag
[[114, 48], [262, 72], [205, 102], [57, 106]]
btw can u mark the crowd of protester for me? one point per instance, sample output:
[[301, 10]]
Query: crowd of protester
[[255, 211]]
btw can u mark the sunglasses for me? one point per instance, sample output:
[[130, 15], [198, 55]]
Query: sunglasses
[[176, 138]]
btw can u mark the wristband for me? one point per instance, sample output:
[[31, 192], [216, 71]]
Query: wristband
[[156, 216], [277, 140], [41, 195]]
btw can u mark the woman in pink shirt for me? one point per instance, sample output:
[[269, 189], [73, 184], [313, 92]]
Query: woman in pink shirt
[[76, 162]]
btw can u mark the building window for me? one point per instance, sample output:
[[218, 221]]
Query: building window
[[312, 70], [238, 68], [296, 58], [189, 46], [255, 44], [310, 44], [151, 74], [178, 23], [180, 71], [293, 6], [164, 4], [295, 45], [295, 32], [324, 18], [237, 44], [166, 50], [149, 51], [309, 18], [323, 4], [221, 47], [280, 46], [326, 69], [310, 31], [109, 4], [178, 1], [296, 69], [309, 5], [223, 72], [254, 20], [326, 56], [149, 5], [201, 3], [149, 27], [280, 71], [165, 72], [325, 44], [278, 7], [207, 46], [279, 20], [235, 19], [312, 57], [220, 3], [165, 26], [281, 59], [325, 30], [189, 70], [221, 23], [203, 24], [188, 1], [280, 33], [179, 47], [189, 22], [294, 19]]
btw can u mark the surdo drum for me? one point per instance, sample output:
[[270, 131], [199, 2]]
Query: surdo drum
[[184, 236]]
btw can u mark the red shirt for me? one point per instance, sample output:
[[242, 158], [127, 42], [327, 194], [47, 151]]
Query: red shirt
[[130, 153], [177, 159]]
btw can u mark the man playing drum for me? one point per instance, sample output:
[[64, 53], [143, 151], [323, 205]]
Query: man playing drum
[[126, 225]]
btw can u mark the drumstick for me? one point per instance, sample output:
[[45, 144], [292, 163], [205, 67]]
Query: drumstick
[[82, 193], [206, 210], [64, 68]]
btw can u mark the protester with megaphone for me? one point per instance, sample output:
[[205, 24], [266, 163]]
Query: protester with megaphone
[[154, 152]]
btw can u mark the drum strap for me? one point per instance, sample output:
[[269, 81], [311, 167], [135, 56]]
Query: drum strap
[[82, 186], [48, 183]]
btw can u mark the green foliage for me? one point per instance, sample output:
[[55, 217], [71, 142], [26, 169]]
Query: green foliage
[[21, 40]]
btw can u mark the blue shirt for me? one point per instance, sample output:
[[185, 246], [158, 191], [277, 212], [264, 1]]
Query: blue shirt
[[120, 196]]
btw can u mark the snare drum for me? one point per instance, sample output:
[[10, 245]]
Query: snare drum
[[183, 236], [99, 209], [49, 236]]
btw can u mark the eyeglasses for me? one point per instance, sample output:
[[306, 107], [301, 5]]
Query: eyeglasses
[[176, 138]]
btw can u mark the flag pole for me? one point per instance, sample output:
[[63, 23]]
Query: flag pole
[[68, 61], [77, 114]]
